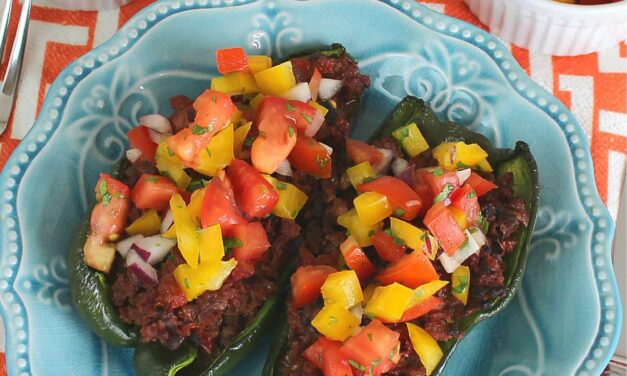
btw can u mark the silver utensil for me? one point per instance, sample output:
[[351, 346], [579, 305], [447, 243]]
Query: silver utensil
[[8, 86]]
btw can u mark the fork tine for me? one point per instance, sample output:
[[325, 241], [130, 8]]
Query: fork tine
[[12, 75], [4, 25]]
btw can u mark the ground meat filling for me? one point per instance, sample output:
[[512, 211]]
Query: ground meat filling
[[506, 215]]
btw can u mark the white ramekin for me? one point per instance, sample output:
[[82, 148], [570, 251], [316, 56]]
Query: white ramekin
[[84, 4], [552, 27]]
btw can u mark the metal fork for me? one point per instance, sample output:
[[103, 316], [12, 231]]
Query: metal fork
[[8, 86]]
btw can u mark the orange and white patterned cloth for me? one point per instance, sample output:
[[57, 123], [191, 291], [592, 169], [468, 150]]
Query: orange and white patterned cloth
[[593, 86]]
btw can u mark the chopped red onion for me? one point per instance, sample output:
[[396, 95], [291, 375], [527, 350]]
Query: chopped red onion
[[168, 220], [478, 235], [284, 168], [157, 123], [133, 155], [399, 165], [382, 166], [143, 270], [450, 263], [462, 175], [157, 137], [329, 149], [315, 125], [300, 92], [328, 88], [124, 245], [153, 249], [407, 175]]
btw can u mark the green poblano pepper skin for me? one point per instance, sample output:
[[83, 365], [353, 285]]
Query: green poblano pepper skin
[[518, 161]]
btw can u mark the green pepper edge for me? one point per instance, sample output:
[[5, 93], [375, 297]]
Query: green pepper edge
[[152, 359], [96, 309], [412, 109]]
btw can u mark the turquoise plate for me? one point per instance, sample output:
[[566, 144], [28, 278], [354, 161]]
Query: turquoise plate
[[566, 317]]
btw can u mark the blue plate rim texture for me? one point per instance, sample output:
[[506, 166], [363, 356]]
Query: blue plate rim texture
[[12, 308]]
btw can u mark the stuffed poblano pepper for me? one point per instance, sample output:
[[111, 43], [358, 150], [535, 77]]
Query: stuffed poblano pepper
[[190, 244], [433, 233]]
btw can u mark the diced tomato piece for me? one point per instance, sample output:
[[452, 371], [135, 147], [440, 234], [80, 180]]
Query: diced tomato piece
[[326, 355], [277, 135], [218, 207], [442, 225], [411, 270], [153, 192], [438, 178], [403, 200], [186, 145], [139, 138], [243, 270], [253, 238], [371, 346], [108, 218], [359, 152], [253, 194], [388, 248], [479, 184], [314, 84], [112, 186], [422, 308], [423, 190], [310, 156], [356, 259], [231, 60], [299, 114], [465, 199], [214, 111], [306, 283]]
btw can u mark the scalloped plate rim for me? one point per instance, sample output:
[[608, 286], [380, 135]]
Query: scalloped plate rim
[[189, 5]]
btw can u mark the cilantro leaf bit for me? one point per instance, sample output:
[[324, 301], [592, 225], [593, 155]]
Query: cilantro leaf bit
[[444, 194], [290, 131], [483, 223], [322, 161], [471, 194], [463, 284], [105, 196], [248, 142], [262, 134], [187, 284], [356, 365], [399, 212], [214, 99], [437, 172], [231, 242], [332, 320], [198, 130], [307, 118], [281, 186], [289, 107]]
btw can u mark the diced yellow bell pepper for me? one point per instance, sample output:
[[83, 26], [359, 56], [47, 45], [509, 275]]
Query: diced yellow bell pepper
[[208, 276], [410, 234], [458, 155], [171, 233], [235, 83], [211, 245], [485, 166], [323, 110], [170, 165], [276, 80], [217, 154], [422, 292], [372, 207], [291, 199], [362, 233], [148, 224], [335, 322], [459, 216], [257, 63], [186, 235], [369, 291], [461, 283], [389, 302], [256, 101], [195, 205], [411, 139], [240, 137], [342, 288], [359, 173], [425, 346]]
